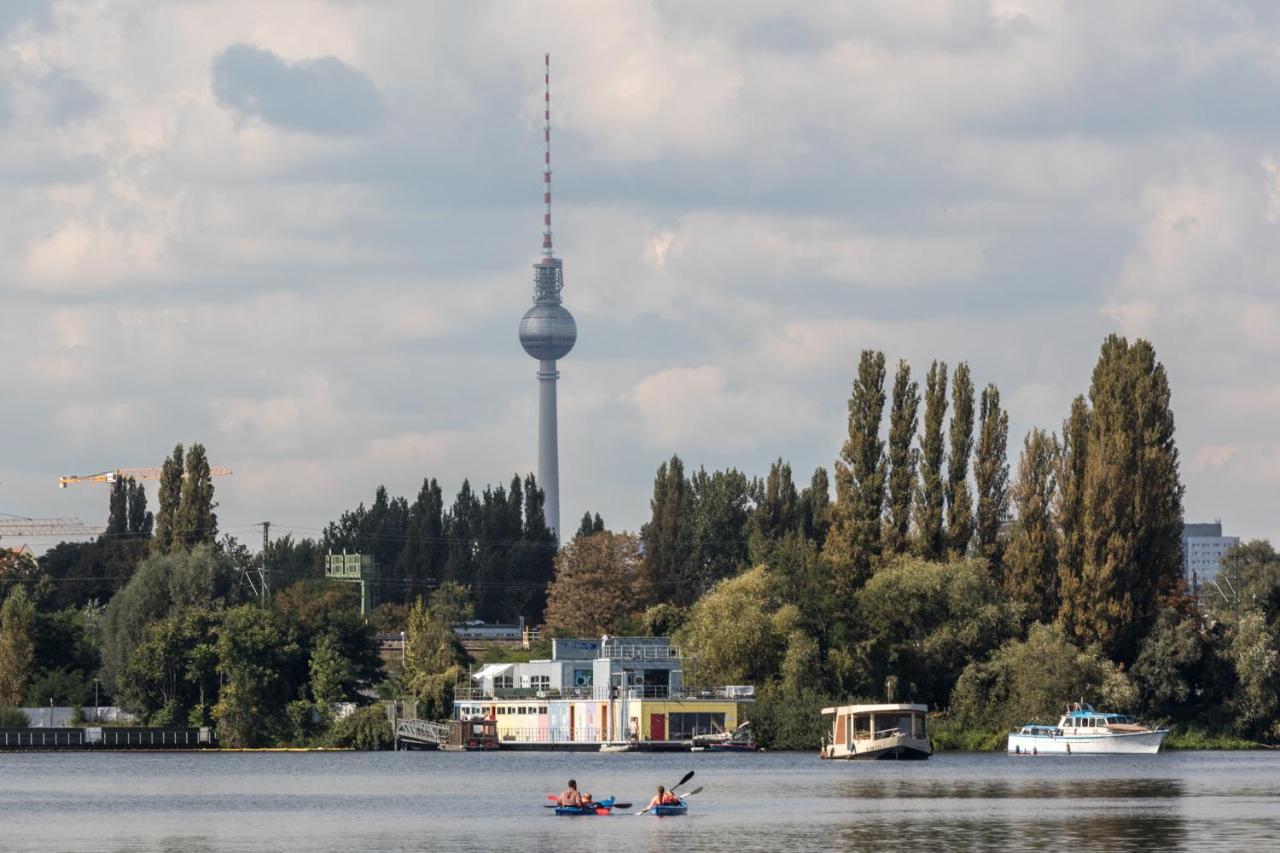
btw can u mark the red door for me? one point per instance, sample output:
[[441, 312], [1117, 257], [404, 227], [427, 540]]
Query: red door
[[657, 727]]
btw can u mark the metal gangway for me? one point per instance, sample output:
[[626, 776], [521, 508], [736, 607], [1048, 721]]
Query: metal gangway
[[421, 733]]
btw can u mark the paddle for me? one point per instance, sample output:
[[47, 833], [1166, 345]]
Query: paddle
[[672, 789]]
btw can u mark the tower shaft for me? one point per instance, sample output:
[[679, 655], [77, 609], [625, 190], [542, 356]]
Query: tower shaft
[[548, 443]]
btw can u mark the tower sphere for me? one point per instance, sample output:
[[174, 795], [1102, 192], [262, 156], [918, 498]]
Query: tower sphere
[[547, 331]]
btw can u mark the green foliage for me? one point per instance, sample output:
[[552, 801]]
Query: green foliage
[[1168, 667], [127, 511], [169, 496], [925, 622], [991, 475], [331, 676], [1250, 575], [663, 620], [903, 422], [163, 583], [313, 609], [365, 729], [433, 660], [596, 585], [960, 521], [946, 735], [815, 508], [1255, 653], [854, 540], [1031, 681], [17, 645], [666, 535], [782, 718], [195, 521], [252, 650], [84, 572], [63, 686], [737, 633], [1068, 511], [590, 525], [12, 718], [1030, 564], [1132, 501], [931, 542], [1197, 738]]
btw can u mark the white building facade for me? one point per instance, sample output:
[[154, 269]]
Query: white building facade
[[1202, 548]]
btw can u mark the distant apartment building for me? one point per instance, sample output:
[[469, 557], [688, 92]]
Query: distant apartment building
[[1202, 547]]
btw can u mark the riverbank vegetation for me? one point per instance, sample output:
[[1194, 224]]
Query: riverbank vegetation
[[922, 567]]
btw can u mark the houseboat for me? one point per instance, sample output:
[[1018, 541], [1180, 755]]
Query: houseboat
[[872, 732], [1084, 731], [613, 694]]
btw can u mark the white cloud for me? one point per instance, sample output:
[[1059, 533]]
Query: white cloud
[[747, 197]]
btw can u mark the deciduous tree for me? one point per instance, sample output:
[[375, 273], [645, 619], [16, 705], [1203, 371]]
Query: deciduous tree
[[991, 474], [960, 521], [903, 421], [854, 541], [1031, 561], [931, 540], [596, 583], [17, 648]]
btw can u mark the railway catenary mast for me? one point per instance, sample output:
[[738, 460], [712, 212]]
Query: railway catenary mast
[[548, 333]]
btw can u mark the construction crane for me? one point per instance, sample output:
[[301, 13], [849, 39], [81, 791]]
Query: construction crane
[[135, 473], [19, 526]]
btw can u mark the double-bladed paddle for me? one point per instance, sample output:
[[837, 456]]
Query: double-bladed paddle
[[672, 789]]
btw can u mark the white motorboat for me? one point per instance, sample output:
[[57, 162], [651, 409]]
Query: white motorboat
[[1084, 731]]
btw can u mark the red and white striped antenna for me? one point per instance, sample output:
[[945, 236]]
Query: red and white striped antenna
[[547, 251]]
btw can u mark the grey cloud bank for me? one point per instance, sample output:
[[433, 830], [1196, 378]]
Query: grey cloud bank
[[322, 95], [219, 227]]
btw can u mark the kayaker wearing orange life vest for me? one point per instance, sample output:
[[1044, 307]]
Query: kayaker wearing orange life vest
[[570, 797], [663, 798]]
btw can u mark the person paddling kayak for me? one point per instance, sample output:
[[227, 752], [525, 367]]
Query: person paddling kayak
[[570, 797], [663, 798]]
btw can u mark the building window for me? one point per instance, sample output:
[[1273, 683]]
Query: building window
[[502, 682], [685, 726], [540, 682]]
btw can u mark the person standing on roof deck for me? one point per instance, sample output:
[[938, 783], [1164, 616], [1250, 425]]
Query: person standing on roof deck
[[570, 797]]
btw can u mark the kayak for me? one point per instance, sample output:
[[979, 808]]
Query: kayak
[[601, 808], [672, 810]]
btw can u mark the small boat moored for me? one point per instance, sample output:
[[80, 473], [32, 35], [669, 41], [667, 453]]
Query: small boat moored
[[877, 732], [1084, 731]]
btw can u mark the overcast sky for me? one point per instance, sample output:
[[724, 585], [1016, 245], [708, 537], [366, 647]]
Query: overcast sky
[[302, 233]]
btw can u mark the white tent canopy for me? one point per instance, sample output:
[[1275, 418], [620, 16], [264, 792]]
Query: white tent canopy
[[490, 670]]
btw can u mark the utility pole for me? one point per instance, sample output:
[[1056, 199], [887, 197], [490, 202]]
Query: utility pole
[[266, 540]]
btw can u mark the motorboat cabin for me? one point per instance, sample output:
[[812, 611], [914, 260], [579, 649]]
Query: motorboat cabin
[[871, 732]]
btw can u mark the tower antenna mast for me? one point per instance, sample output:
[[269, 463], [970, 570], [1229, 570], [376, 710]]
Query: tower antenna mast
[[548, 331]]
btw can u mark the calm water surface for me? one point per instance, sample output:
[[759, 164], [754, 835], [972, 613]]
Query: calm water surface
[[782, 801]]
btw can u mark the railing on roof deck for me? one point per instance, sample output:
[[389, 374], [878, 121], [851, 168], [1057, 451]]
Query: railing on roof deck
[[639, 651], [732, 693]]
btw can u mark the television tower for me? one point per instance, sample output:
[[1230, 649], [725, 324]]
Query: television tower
[[548, 333]]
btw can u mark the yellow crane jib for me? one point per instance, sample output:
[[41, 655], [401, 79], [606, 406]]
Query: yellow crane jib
[[135, 473]]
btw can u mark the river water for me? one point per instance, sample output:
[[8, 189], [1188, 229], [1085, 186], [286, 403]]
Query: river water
[[197, 802]]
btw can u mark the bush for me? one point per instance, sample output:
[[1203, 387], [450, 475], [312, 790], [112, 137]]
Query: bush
[[947, 734], [12, 718], [781, 719], [366, 729]]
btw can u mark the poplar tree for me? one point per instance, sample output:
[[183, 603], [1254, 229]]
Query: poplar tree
[[17, 645], [1132, 500], [903, 421], [118, 510], [1068, 512], [930, 540], [195, 520], [991, 474], [816, 503], [854, 540], [1031, 561], [666, 536], [777, 512], [169, 495], [959, 502], [139, 520]]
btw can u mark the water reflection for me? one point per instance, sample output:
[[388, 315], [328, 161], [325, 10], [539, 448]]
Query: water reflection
[[1004, 789], [1013, 831]]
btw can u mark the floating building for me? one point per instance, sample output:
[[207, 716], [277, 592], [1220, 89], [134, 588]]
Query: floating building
[[548, 333], [614, 690]]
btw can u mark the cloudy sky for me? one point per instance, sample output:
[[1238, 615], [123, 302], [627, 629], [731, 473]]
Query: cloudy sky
[[302, 233]]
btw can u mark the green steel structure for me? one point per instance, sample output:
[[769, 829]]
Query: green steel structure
[[355, 568]]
